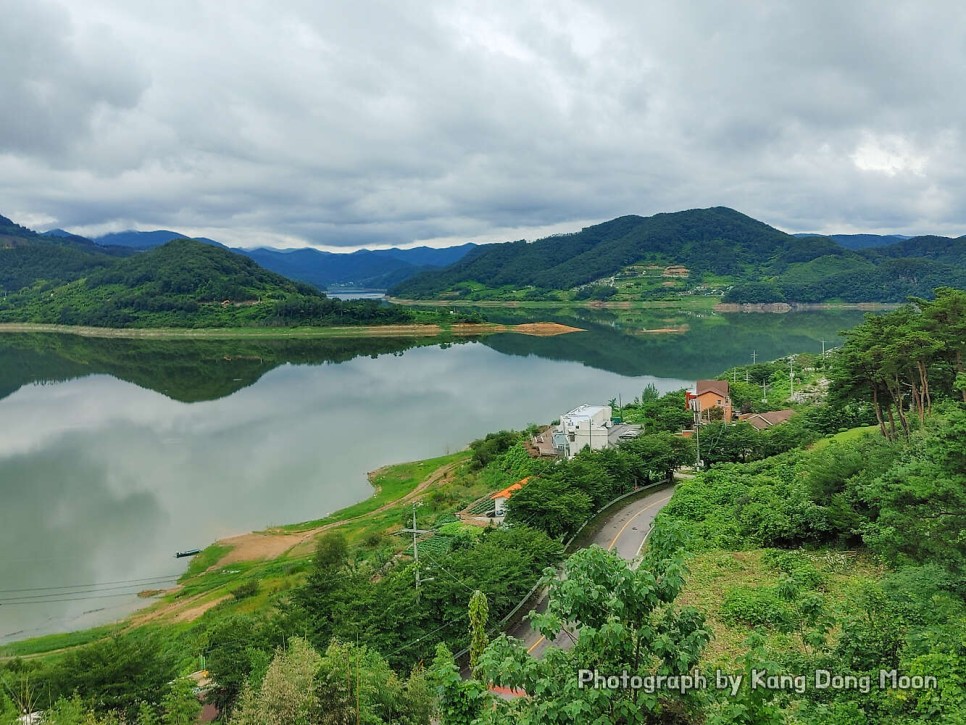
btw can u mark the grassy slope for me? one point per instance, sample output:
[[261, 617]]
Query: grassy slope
[[716, 574]]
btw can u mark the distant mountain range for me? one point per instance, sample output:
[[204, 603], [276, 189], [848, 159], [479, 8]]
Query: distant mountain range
[[715, 249], [65, 279], [375, 269]]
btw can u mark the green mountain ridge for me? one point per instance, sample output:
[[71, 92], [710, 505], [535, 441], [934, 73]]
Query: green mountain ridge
[[748, 259], [28, 258], [183, 283]]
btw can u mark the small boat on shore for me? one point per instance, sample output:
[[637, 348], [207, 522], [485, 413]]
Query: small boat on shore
[[189, 552]]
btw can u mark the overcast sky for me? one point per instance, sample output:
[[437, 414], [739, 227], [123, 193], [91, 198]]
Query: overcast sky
[[375, 123]]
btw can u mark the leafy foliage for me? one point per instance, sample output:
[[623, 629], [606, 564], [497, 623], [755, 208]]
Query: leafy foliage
[[622, 620]]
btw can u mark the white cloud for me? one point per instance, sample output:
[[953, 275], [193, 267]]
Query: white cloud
[[889, 155], [376, 123]]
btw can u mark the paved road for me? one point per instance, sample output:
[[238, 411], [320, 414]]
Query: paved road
[[626, 533]]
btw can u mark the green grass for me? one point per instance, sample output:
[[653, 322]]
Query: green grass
[[845, 436], [52, 642], [714, 574], [206, 558], [392, 483]]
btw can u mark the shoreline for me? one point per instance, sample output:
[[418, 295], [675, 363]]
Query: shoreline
[[783, 307], [251, 550], [690, 302], [462, 329]]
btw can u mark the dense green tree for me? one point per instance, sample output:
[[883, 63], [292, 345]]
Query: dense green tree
[[180, 705], [655, 456], [287, 693], [115, 674], [479, 614], [550, 506], [622, 619], [895, 360]]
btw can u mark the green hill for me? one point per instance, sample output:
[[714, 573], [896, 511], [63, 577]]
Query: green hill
[[724, 252], [184, 283], [28, 258]]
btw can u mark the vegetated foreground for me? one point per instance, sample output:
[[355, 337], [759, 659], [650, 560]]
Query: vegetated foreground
[[784, 558]]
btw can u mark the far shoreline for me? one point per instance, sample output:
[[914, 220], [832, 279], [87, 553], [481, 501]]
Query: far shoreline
[[462, 329], [685, 303]]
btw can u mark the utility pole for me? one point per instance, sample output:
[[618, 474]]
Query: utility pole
[[416, 532], [696, 409], [764, 392], [791, 376]]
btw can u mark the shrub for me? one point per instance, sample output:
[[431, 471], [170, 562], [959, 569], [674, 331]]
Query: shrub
[[755, 607], [243, 591]]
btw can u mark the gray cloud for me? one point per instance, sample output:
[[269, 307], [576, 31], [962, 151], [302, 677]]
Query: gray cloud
[[390, 123]]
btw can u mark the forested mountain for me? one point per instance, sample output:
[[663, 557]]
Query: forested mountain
[[363, 269], [860, 241], [145, 240], [27, 257], [750, 260], [184, 283]]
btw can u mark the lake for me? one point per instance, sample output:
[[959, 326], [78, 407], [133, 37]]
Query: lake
[[115, 454]]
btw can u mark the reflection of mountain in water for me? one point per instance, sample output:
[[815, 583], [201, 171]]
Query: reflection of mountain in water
[[184, 370], [625, 341], [619, 341]]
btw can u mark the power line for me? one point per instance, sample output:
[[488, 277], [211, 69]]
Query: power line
[[91, 585], [76, 599], [92, 591]]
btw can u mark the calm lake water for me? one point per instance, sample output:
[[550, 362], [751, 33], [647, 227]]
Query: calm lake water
[[115, 454]]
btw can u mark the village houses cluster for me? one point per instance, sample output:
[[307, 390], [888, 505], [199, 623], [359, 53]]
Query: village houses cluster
[[595, 427]]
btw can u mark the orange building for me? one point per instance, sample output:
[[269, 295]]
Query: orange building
[[501, 497], [710, 394]]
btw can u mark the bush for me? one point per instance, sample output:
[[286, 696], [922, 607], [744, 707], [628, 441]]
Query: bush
[[243, 591], [755, 607]]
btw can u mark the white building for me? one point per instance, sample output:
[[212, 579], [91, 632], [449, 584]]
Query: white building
[[586, 426]]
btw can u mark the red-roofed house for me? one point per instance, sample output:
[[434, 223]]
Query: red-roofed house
[[712, 394], [767, 420]]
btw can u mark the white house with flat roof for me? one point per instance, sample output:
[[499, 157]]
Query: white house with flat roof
[[585, 426]]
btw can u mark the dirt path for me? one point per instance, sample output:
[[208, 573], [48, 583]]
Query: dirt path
[[259, 545]]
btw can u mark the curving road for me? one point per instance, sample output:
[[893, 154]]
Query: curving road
[[626, 533]]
